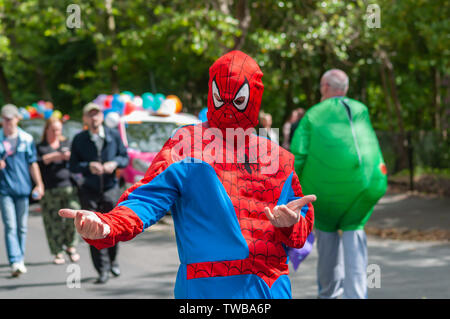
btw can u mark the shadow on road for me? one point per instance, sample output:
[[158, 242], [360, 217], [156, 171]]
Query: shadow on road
[[39, 284]]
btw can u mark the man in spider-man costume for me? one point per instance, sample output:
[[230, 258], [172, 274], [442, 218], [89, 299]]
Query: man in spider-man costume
[[236, 206]]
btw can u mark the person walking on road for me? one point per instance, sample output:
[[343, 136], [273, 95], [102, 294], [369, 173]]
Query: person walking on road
[[338, 158], [96, 153], [53, 158], [18, 169]]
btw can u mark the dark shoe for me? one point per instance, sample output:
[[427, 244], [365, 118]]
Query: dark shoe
[[103, 278], [115, 270]]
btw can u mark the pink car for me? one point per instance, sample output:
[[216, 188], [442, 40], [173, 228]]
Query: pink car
[[144, 135]]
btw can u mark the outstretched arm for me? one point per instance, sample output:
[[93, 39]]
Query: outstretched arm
[[139, 207]]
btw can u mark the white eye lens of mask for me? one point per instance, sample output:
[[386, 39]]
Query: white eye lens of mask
[[240, 101], [216, 95]]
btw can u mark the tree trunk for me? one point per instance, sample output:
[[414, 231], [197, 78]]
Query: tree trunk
[[244, 17], [394, 95], [387, 99], [111, 25], [437, 99], [446, 112], [4, 87], [41, 78], [401, 141], [286, 66]]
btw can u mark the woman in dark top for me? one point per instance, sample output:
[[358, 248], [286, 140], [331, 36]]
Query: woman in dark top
[[53, 156]]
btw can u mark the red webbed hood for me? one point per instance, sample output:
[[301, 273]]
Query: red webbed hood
[[235, 91]]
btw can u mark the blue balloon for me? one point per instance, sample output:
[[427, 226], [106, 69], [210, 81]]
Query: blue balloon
[[202, 114], [40, 108], [47, 114], [117, 104]]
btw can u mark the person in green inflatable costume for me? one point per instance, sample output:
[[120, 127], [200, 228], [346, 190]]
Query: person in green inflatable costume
[[338, 158]]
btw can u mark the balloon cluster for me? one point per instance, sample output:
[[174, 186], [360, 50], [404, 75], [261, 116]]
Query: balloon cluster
[[41, 110], [126, 102]]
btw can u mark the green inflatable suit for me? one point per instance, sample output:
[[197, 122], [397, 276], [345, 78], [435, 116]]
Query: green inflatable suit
[[338, 158]]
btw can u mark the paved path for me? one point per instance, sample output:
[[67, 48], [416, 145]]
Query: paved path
[[419, 212]]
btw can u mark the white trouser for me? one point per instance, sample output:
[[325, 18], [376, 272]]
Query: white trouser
[[342, 264]]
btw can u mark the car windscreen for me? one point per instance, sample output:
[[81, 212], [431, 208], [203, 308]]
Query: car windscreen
[[148, 137]]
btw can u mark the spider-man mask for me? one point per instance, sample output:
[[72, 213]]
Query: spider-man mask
[[235, 91]]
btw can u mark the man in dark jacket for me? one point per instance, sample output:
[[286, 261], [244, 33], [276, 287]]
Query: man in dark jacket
[[96, 154]]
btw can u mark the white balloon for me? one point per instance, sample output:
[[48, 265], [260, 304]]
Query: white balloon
[[112, 119], [137, 100], [125, 98], [168, 107]]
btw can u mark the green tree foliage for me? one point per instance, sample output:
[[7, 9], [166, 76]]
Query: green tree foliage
[[400, 70]]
